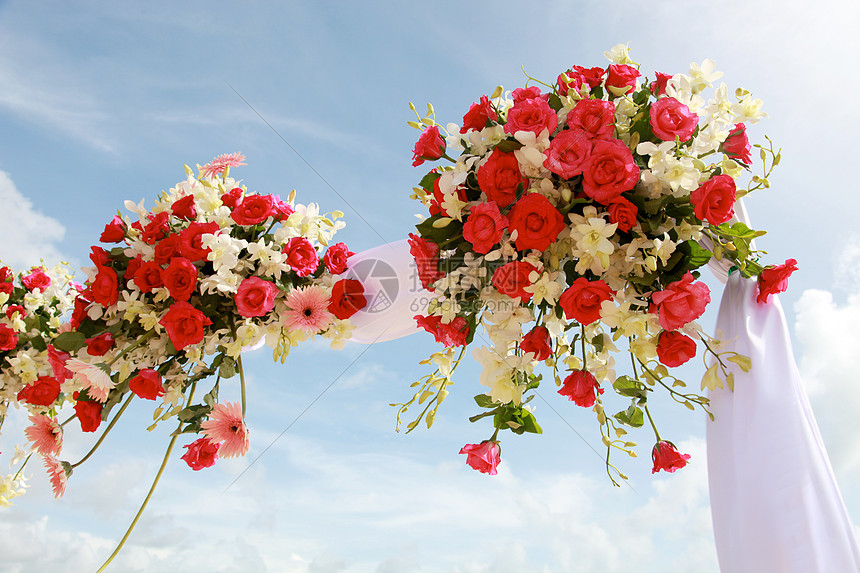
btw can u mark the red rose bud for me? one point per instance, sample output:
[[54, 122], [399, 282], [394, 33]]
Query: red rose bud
[[621, 76], [347, 298], [232, 197], [302, 257], [114, 231], [201, 454], [670, 119], [623, 213], [538, 342], [484, 227], [147, 384], [429, 146], [581, 388], [536, 222], [184, 208], [667, 458], [533, 114], [512, 278], [336, 257], [99, 345], [674, 348], [255, 297], [581, 301], [184, 324], [42, 392], [714, 200], [166, 249], [484, 457], [6, 274], [254, 209], [500, 176], [773, 280], [36, 280], [478, 115], [89, 414], [426, 256], [452, 334], [180, 278], [658, 87], [737, 145], [533, 92]]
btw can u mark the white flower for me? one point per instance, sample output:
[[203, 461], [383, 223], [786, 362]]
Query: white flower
[[701, 77], [619, 54], [748, 110], [546, 287]]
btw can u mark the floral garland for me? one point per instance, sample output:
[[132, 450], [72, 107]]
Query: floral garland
[[209, 271], [574, 218]]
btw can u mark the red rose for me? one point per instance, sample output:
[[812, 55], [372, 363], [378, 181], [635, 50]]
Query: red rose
[[609, 171], [536, 222], [532, 92], [512, 278], [255, 297], [581, 388], [666, 457], [658, 87], [429, 146], [714, 200], [426, 256], [191, 240], [594, 117], [484, 457], [774, 279], [232, 197], [6, 274], [336, 257], [254, 209], [156, 229], [79, 313], [737, 145], [8, 338], [89, 415], [500, 176], [674, 348], [104, 287], [478, 115], [36, 280], [42, 392], [99, 345], [569, 80], [452, 334], [12, 309], [114, 231], [681, 302], [537, 342], [166, 249], [301, 256], [147, 384], [592, 76], [180, 278], [621, 76], [99, 257], [57, 360], [184, 208], [148, 276], [581, 301], [670, 119], [567, 153], [201, 454], [184, 324], [6, 288], [484, 227], [283, 210], [347, 298], [533, 115], [622, 212]]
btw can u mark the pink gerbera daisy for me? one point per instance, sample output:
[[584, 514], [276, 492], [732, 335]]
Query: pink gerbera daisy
[[57, 474], [225, 425], [308, 310], [46, 435], [95, 381], [219, 164]]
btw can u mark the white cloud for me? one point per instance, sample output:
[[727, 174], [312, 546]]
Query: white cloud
[[28, 235]]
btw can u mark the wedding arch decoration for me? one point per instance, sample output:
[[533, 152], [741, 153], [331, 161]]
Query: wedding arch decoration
[[571, 227], [211, 269]]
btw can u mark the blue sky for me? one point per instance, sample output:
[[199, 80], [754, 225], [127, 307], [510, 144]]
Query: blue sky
[[103, 102]]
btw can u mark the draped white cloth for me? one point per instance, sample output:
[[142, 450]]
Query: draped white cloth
[[775, 504]]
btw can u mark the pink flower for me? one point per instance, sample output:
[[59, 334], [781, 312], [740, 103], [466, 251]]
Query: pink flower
[[593, 118], [773, 280], [219, 164], [451, 334], [336, 257], [581, 388], [681, 302], [484, 457], [255, 297], [429, 146], [308, 310], [46, 435], [36, 280], [670, 119], [567, 153], [226, 426], [57, 473], [96, 381], [201, 454], [737, 145], [667, 458], [301, 256], [714, 200], [621, 77], [609, 171], [484, 227], [532, 114]]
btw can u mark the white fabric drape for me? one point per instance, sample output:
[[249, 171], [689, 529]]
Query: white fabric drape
[[775, 504]]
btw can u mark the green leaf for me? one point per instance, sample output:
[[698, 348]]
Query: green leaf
[[484, 401], [696, 255], [627, 386], [70, 341], [193, 412], [428, 180], [530, 423], [632, 417], [227, 368], [597, 342], [509, 145]]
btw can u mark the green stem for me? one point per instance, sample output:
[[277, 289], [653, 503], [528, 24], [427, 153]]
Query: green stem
[[584, 360], [241, 381], [22, 466], [146, 336], [151, 489], [107, 430], [650, 419]]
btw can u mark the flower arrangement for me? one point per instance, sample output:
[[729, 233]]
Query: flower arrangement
[[572, 226], [210, 270]]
